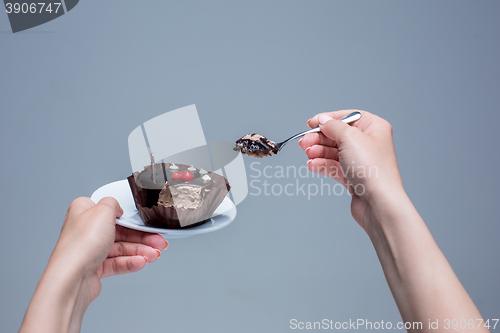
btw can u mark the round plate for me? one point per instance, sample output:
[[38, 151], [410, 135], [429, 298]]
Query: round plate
[[120, 190]]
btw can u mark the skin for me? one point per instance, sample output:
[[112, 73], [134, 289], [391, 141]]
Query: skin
[[421, 280], [90, 247]]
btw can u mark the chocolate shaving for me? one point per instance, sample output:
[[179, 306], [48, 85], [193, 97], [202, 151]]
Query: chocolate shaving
[[256, 145]]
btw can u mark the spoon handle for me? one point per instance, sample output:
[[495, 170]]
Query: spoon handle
[[351, 117]]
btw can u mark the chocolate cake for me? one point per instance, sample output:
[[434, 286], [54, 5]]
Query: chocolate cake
[[256, 145], [182, 195]]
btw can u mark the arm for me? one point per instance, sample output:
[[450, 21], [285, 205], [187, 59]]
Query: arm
[[419, 276], [89, 248], [421, 280]]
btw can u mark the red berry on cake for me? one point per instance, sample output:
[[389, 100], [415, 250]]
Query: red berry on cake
[[187, 176], [177, 175]]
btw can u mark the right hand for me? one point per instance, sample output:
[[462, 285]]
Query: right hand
[[361, 157]]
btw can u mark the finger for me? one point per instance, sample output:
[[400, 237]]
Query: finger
[[113, 204], [79, 205], [335, 129], [313, 122], [312, 139], [329, 168], [123, 249], [134, 236], [318, 151], [121, 265]]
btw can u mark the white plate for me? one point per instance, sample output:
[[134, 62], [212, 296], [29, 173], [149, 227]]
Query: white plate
[[120, 190]]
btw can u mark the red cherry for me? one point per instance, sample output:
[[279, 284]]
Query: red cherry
[[188, 176], [177, 175], [183, 172]]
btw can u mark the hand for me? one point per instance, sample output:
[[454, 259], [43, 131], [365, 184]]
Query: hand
[[90, 247], [361, 157], [91, 240]]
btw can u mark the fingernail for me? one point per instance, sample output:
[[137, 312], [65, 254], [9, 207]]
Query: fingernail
[[166, 245], [308, 150], [323, 119], [146, 259], [159, 253], [308, 123], [308, 162], [119, 213], [300, 142]]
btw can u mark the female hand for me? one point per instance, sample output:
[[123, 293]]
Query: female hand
[[91, 241], [90, 247], [361, 157]]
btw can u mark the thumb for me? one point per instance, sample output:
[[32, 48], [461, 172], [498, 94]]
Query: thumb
[[333, 129], [113, 204]]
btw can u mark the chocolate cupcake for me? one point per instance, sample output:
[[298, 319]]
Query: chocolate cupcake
[[178, 195]]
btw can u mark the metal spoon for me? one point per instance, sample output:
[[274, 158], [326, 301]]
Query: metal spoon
[[350, 118], [257, 145]]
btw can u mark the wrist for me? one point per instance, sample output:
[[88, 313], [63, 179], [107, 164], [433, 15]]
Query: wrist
[[67, 274], [57, 305], [64, 281], [389, 206], [397, 231], [72, 271]]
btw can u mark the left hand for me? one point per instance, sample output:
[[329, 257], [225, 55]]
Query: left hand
[[97, 248], [91, 247]]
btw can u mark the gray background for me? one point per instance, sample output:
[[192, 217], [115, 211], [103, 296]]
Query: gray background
[[73, 89]]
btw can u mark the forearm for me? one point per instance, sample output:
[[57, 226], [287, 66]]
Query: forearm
[[56, 305], [419, 276]]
